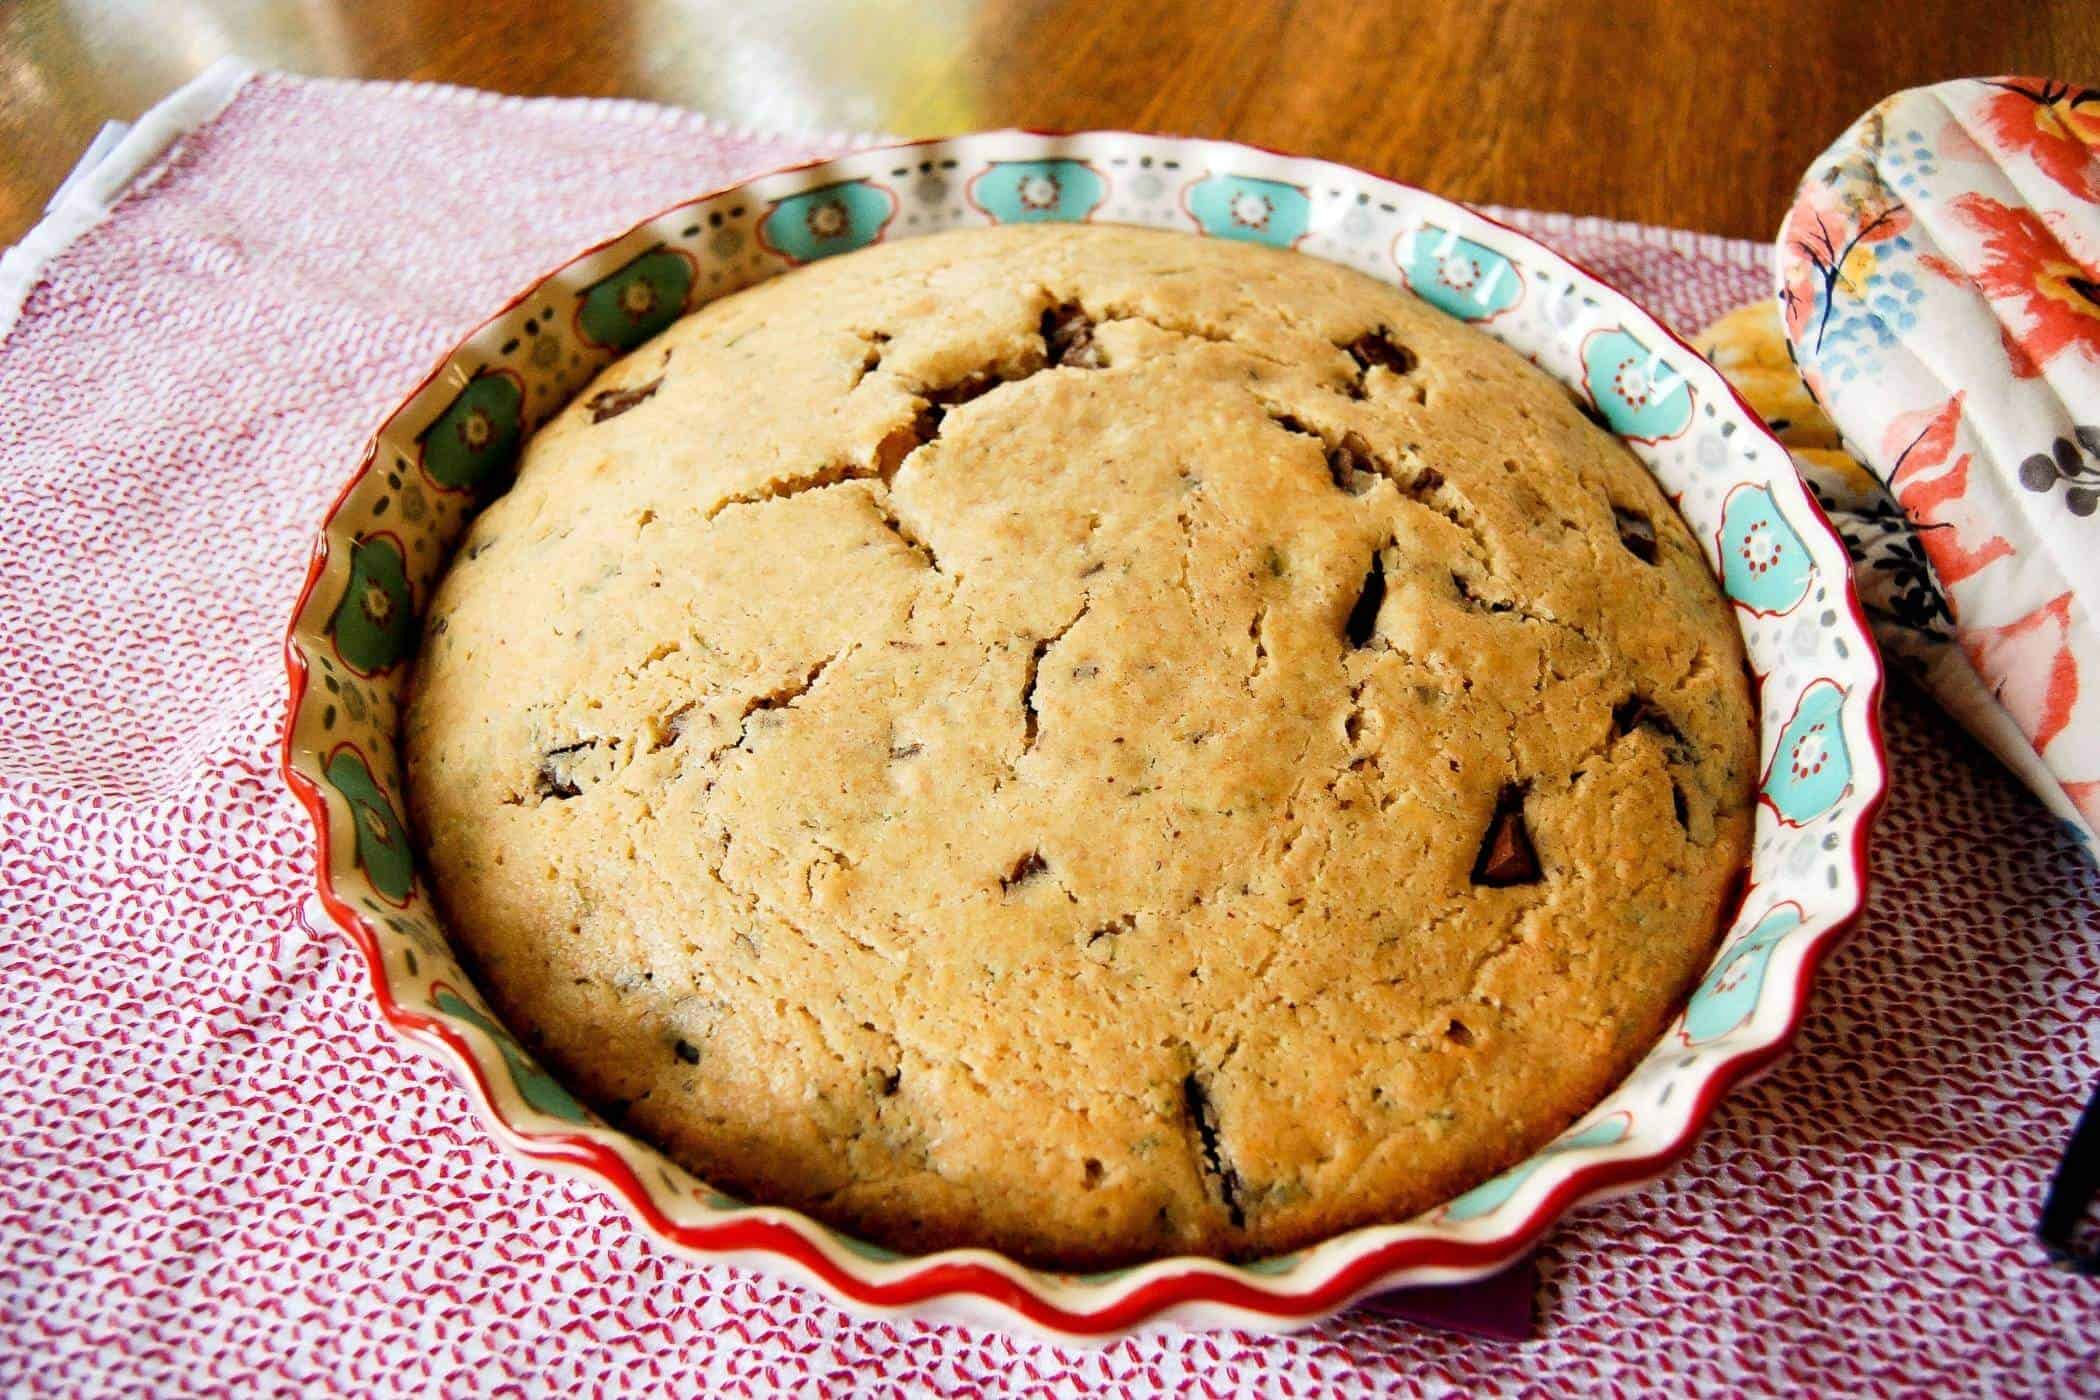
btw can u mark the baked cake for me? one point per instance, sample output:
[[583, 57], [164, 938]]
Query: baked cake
[[1086, 741]]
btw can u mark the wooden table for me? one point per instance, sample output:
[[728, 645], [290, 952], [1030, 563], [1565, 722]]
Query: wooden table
[[1667, 111]]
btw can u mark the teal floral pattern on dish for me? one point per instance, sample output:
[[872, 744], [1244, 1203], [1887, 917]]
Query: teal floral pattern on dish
[[1490, 1195], [1642, 395], [375, 624], [620, 311], [535, 1085], [827, 221], [1254, 211], [1729, 995], [1038, 191], [382, 839], [1457, 275], [1764, 561], [475, 439], [1813, 766]]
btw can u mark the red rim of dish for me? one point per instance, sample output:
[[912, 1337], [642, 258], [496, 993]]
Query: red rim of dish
[[1197, 1281]]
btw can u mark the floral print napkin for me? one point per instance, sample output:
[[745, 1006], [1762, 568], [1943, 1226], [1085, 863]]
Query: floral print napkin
[[1939, 283]]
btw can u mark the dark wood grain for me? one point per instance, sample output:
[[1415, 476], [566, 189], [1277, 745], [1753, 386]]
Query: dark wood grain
[[1666, 111]]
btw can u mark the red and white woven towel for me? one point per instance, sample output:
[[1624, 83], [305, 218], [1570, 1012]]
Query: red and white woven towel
[[217, 1169]]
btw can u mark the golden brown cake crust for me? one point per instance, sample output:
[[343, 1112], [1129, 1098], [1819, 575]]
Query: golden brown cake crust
[[1054, 806]]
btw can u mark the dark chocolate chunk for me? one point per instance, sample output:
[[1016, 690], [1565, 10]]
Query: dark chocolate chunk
[[674, 725], [1378, 349], [1203, 1116], [1351, 465], [557, 773], [1506, 855], [1025, 869], [611, 403], [1068, 337], [1122, 925], [1363, 618], [1637, 533]]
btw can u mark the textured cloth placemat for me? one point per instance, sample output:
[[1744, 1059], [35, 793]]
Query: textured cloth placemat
[[217, 1168]]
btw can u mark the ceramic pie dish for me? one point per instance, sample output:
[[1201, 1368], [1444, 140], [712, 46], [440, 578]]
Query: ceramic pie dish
[[451, 442]]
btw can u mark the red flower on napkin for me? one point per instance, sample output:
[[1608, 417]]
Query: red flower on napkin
[[1931, 488], [2029, 664], [2055, 295], [2055, 125]]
